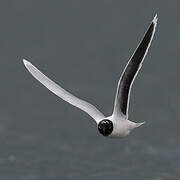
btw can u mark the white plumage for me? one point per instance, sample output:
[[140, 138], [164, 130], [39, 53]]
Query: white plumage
[[116, 125]]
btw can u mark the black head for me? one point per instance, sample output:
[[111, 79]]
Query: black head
[[105, 127]]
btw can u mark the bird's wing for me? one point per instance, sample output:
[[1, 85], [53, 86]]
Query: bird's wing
[[66, 96], [131, 70]]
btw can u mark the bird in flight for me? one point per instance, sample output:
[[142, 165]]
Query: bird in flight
[[117, 125]]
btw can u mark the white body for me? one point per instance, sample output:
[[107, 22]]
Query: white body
[[121, 125]]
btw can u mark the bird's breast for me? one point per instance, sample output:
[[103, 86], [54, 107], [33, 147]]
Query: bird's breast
[[121, 129]]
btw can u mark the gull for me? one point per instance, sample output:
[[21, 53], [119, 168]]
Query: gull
[[117, 125]]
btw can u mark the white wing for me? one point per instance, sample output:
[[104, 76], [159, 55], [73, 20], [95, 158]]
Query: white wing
[[66, 96], [129, 74]]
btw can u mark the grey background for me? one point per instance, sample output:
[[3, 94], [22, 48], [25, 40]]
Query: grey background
[[84, 45]]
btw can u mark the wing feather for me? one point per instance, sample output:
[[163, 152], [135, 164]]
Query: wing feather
[[132, 68], [62, 93]]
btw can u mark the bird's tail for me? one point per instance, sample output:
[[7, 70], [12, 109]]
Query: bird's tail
[[139, 124]]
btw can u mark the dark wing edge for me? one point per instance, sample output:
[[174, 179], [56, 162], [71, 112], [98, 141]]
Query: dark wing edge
[[132, 68]]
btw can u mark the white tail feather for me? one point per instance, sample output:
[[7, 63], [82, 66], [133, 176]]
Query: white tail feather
[[139, 124]]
